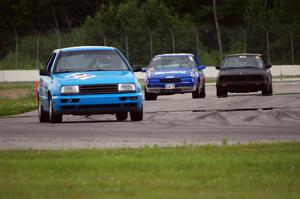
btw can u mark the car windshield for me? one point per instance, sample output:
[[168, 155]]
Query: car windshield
[[97, 60], [172, 62], [242, 61]]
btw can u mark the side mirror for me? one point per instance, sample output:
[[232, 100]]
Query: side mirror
[[144, 69], [137, 68], [201, 67], [268, 66], [218, 67], [44, 72]]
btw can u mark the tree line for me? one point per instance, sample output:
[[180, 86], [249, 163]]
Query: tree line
[[142, 28]]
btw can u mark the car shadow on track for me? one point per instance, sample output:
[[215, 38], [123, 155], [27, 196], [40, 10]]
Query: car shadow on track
[[258, 94], [93, 119]]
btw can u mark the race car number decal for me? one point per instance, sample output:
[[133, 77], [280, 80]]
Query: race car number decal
[[80, 76]]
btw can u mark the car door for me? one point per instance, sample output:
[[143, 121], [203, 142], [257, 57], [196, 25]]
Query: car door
[[45, 82]]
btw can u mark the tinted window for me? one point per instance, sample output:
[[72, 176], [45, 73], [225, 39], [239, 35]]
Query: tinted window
[[90, 61], [172, 62], [242, 61]]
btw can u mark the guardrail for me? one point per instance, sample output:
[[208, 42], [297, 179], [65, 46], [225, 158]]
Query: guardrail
[[33, 75]]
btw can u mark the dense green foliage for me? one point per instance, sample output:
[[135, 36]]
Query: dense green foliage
[[241, 171], [131, 25]]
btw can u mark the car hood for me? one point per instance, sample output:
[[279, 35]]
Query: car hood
[[242, 71], [95, 77], [169, 73]]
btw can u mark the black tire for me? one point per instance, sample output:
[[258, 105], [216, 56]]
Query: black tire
[[43, 115], [271, 90], [122, 116], [137, 115], [266, 91], [54, 117], [221, 93], [199, 93], [203, 93], [149, 96], [196, 93]]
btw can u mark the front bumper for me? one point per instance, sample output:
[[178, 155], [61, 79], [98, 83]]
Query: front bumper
[[160, 88], [242, 86], [97, 104]]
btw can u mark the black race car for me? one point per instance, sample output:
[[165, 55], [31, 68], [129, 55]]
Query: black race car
[[241, 73]]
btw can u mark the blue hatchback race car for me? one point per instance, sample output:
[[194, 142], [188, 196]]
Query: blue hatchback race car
[[86, 81], [169, 74]]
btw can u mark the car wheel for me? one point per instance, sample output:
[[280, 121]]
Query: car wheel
[[121, 116], [221, 93], [137, 115], [271, 90], [54, 117], [196, 94], [150, 96], [265, 91], [203, 93], [43, 115]]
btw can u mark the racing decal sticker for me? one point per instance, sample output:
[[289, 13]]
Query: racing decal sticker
[[170, 72], [80, 76]]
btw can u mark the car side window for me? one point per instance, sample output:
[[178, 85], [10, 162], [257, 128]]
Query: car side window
[[263, 60], [50, 62]]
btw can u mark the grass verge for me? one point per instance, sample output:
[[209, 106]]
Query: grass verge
[[16, 106], [17, 85], [240, 171], [17, 98]]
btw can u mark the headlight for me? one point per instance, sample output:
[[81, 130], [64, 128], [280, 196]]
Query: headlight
[[193, 74], [69, 89], [126, 87]]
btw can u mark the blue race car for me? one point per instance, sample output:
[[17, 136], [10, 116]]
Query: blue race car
[[88, 80], [169, 74]]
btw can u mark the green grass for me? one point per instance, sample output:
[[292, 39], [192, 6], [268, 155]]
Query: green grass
[[19, 103], [286, 77], [239, 171], [16, 106], [17, 85]]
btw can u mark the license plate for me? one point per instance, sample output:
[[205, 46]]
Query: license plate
[[169, 86]]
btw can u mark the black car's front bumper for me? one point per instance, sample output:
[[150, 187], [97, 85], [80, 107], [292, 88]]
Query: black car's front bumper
[[242, 86]]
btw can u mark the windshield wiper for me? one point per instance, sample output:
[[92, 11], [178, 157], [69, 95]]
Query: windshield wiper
[[98, 69], [65, 71], [239, 67], [228, 67], [249, 67]]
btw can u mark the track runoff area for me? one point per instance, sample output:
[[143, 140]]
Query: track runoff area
[[170, 121]]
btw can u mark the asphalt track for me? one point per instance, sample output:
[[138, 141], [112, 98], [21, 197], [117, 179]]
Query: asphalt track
[[170, 121]]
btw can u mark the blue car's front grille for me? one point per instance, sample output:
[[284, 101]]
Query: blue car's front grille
[[98, 89], [170, 80]]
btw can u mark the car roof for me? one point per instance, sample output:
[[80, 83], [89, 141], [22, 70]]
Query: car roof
[[174, 55], [244, 54], [83, 48]]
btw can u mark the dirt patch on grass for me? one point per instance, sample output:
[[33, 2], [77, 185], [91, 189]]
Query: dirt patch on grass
[[15, 93]]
